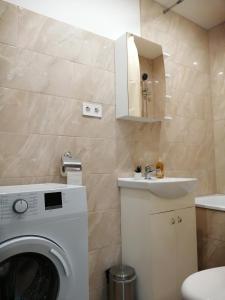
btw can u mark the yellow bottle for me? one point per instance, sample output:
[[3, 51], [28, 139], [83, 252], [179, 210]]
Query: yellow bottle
[[159, 169]]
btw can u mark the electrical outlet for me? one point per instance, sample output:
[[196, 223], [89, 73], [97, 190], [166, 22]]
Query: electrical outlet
[[93, 110]]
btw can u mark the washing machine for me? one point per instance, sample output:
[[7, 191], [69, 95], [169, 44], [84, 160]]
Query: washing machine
[[43, 242]]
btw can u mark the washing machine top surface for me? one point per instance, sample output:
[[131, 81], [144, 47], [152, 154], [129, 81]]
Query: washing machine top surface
[[36, 187]]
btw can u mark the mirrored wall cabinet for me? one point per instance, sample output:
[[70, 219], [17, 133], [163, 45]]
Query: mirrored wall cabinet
[[140, 79]]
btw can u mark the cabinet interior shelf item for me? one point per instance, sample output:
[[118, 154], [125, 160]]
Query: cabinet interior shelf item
[[140, 79]]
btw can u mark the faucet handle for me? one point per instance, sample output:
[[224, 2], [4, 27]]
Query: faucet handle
[[149, 169]]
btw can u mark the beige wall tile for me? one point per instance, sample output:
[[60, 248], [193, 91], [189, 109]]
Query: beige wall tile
[[104, 229], [102, 192], [8, 23], [42, 34], [31, 71], [93, 84], [37, 155], [99, 261], [211, 238], [48, 36], [46, 114], [217, 65]]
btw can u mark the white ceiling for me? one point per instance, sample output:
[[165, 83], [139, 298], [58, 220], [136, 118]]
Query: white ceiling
[[206, 13]]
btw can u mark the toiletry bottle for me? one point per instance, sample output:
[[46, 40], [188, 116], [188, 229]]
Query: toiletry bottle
[[159, 169]]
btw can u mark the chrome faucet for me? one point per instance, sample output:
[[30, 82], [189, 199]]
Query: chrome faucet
[[149, 171]]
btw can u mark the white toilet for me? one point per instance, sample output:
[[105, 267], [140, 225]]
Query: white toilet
[[205, 285]]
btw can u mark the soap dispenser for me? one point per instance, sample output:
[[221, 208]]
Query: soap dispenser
[[159, 169]]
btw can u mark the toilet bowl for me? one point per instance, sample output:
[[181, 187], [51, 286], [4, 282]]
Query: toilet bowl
[[205, 285]]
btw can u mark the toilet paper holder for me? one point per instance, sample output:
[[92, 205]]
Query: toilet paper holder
[[69, 163]]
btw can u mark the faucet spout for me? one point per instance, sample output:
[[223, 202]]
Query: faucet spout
[[149, 170]]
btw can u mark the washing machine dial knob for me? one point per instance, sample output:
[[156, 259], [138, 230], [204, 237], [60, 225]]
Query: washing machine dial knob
[[20, 206]]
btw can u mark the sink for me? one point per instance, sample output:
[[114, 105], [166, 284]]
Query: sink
[[167, 187]]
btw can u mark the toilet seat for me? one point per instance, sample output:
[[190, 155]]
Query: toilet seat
[[205, 285]]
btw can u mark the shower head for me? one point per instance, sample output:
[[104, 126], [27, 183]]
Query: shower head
[[172, 6]]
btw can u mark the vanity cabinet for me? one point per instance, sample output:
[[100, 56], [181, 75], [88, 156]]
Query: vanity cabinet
[[173, 257], [159, 241]]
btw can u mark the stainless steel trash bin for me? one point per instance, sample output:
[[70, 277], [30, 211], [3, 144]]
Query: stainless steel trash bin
[[122, 283]]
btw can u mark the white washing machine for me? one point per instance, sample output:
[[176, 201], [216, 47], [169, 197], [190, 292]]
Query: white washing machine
[[43, 242]]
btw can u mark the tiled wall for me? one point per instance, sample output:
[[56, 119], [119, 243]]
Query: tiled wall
[[217, 64], [47, 68], [210, 224], [186, 142], [211, 238]]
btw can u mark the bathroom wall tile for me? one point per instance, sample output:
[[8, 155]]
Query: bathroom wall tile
[[46, 114], [103, 192], [99, 261], [8, 23], [146, 144], [93, 84], [216, 225], [211, 238], [217, 57], [217, 66], [97, 294], [176, 156], [39, 153], [206, 181], [48, 36], [124, 129], [98, 52], [124, 158], [104, 229], [202, 223], [27, 70], [216, 37], [217, 85], [220, 178], [218, 108], [43, 34], [101, 158], [174, 131], [31, 180], [219, 133], [210, 254]]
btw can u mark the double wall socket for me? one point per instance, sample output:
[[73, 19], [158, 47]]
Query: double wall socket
[[93, 110]]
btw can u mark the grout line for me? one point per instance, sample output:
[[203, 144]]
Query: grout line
[[55, 57], [57, 96]]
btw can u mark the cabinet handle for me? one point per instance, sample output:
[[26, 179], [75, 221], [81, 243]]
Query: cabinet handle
[[172, 221], [179, 219]]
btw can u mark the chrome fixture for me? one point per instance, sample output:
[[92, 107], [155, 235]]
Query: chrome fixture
[[172, 6], [69, 163], [148, 171]]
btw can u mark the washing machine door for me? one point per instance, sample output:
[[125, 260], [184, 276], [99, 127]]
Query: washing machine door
[[34, 268]]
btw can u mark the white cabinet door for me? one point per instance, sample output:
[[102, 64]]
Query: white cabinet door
[[186, 243], [163, 256]]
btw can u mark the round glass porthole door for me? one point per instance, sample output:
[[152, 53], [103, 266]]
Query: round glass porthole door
[[28, 276]]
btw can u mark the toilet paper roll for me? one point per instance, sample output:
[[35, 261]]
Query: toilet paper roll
[[74, 177]]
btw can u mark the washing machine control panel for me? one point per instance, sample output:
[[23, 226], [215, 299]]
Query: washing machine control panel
[[20, 206], [40, 204]]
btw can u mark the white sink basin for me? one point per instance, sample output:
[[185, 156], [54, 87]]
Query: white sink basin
[[164, 188]]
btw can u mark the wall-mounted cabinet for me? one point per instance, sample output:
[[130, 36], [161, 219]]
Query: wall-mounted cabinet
[[140, 79]]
